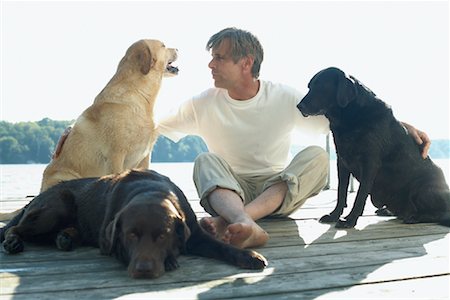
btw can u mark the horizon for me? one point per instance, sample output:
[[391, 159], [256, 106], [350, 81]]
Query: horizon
[[57, 56]]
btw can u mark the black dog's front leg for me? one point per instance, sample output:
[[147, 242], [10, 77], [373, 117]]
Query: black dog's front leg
[[343, 180], [365, 186]]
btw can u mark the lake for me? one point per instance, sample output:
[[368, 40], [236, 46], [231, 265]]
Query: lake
[[19, 181]]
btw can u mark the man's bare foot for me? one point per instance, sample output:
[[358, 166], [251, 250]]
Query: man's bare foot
[[243, 235], [215, 226]]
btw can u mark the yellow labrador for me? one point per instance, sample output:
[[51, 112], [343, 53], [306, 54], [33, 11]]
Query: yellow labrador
[[117, 131]]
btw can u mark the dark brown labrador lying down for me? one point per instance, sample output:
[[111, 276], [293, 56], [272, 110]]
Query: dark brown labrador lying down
[[373, 146], [140, 217]]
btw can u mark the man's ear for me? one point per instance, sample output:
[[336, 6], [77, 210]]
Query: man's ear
[[247, 64]]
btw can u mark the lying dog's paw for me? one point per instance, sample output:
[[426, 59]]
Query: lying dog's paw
[[345, 223], [171, 263], [67, 239], [251, 260], [13, 244], [329, 219], [64, 242]]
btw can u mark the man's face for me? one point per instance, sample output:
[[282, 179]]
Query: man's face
[[225, 71]]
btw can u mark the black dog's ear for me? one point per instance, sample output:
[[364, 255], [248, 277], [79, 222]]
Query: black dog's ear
[[346, 92], [109, 238], [183, 233]]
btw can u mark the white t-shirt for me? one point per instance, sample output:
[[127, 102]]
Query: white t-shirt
[[253, 136]]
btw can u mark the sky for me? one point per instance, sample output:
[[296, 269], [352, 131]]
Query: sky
[[56, 56]]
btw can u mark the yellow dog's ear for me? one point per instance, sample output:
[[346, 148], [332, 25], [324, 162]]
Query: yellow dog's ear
[[139, 56], [144, 58]]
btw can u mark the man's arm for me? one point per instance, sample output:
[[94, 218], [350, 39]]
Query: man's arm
[[420, 137]]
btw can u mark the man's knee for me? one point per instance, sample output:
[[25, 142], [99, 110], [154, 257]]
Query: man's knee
[[321, 157], [205, 157], [316, 157], [320, 163], [204, 161]]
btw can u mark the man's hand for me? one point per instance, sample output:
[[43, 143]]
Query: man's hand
[[420, 137], [61, 141]]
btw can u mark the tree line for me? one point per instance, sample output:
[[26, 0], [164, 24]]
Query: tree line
[[34, 142]]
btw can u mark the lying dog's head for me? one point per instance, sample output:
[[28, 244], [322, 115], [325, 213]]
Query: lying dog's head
[[147, 56], [328, 89], [147, 235]]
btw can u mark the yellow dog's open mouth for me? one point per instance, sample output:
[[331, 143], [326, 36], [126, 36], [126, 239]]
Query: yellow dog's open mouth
[[171, 69]]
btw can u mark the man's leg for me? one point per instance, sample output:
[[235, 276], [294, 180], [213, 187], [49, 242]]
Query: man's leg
[[222, 195], [242, 230], [305, 177], [267, 202]]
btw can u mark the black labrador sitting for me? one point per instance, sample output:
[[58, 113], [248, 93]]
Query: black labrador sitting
[[140, 217], [373, 146]]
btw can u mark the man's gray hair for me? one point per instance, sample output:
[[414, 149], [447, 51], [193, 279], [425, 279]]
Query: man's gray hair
[[243, 43]]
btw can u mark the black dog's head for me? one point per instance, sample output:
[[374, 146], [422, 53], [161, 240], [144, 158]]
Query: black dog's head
[[328, 89], [147, 235]]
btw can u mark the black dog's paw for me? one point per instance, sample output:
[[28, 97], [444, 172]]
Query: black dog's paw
[[345, 224], [171, 263], [329, 219], [384, 212], [252, 260], [67, 239], [2, 234], [13, 244]]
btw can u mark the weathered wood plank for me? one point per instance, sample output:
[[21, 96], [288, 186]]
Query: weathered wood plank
[[307, 260], [47, 273], [269, 282], [434, 287]]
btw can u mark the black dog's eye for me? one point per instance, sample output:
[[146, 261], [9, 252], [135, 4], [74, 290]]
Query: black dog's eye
[[164, 235], [32, 217]]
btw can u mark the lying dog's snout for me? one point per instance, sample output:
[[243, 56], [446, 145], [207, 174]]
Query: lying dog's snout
[[145, 269]]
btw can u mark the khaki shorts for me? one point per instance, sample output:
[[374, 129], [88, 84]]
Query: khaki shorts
[[305, 176]]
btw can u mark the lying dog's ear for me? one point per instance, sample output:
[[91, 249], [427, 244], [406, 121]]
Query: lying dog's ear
[[183, 233], [346, 92], [68, 199], [181, 228], [109, 238]]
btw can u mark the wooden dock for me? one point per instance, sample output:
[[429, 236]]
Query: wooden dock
[[380, 259]]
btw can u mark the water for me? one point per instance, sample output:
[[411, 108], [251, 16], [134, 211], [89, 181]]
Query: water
[[19, 181]]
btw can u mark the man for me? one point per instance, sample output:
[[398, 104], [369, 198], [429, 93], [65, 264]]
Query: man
[[246, 124]]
